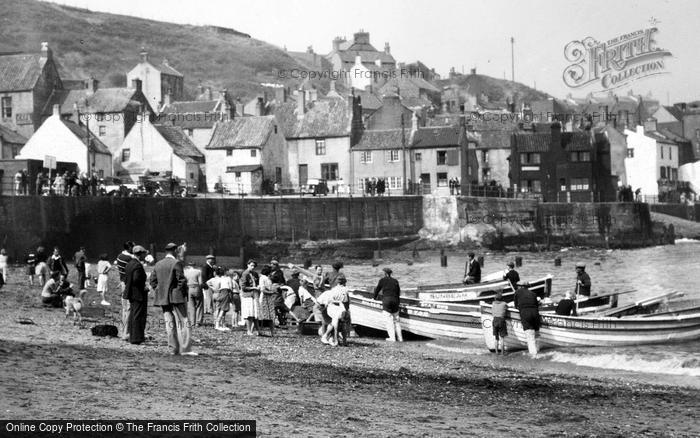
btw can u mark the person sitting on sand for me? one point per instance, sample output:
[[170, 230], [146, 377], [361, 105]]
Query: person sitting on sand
[[49, 293], [567, 306], [500, 330]]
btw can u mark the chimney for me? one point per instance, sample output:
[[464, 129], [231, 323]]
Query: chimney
[[650, 124], [259, 106], [167, 97], [387, 48], [57, 110], [225, 107], [76, 113], [473, 71], [165, 61], [336, 43], [357, 125], [46, 53], [136, 84], [91, 85], [301, 104], [310, 49], [143, 54], [414, 123], [209, 95], [361, 37]]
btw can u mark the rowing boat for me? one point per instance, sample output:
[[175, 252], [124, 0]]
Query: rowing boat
[[473, 293], [595, 330]]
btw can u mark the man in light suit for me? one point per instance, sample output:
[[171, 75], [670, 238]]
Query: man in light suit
[[170, 286]]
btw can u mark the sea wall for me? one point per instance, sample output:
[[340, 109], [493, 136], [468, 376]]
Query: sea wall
[[512, 223], [683, 211], [224, 226]]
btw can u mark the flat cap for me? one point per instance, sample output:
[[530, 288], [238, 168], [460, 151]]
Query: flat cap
[[387, 270], [210, 256], [138, 249], [581, 265], [171, 246]]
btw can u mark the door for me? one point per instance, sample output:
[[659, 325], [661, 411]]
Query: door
[[303, 174], [425, 183]]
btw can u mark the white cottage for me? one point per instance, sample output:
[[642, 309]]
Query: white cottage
[[70, 143], [652, 159], [158, 148]]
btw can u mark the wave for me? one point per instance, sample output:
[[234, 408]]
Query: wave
[[460, 350], [686, 240], [672, 363]]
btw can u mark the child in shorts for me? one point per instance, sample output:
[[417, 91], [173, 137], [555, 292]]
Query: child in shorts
[[500, 331]]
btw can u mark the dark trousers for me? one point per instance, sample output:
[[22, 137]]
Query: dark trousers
[[138, 312], [195, 306]]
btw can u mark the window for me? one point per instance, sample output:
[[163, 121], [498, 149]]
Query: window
[[663, 172], [365, 157], [441, 157], [578, 184], [670, 153], [392, 156], [484, 157], [100, 117], [126, 155], [630, 152], [253, 153], [674, 174], [395, 182], [6, 107], [662, 152], [531, 185], [329, 171], [190, 132], [102, 131], [442, 179], [229, 152], [320, 147], [562, 184], [582, 156], [418, 156], [529, 158], [275, 129], [191, 175], [229, 169], [237, 175]]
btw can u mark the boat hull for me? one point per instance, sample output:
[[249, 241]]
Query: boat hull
[[568, 331]]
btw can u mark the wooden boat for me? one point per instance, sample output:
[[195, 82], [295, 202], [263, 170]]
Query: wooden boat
[[595, 330], [473, 293]]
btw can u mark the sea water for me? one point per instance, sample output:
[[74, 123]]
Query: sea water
[[648, 271]]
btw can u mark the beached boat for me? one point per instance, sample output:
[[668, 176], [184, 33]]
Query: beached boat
[[473, 293], [595, 330]]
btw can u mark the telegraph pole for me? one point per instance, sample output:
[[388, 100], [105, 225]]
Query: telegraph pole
[[512, 59]]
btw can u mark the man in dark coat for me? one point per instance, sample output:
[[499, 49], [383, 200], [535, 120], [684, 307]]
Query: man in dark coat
[[135, 291], [472, 271], [583, 280], [567, 305], [277, 278], [512, 275], [390, 290], [80, 259], [526, 302], [170, 286]]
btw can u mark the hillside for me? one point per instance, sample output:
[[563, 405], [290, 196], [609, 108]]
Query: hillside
[[107, 45], [496, 90]]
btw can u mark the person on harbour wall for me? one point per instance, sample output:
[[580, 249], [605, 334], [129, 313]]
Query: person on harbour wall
[[526, 302], [583, 280], [388, 286], [472, 271]]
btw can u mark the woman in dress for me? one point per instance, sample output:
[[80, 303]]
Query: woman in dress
[[235, 298], [103, 267], [250, 298], [268, 293]]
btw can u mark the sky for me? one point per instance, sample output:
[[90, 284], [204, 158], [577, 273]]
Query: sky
[[460, 34]]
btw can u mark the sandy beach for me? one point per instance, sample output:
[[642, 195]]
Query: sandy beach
[[295, 386]]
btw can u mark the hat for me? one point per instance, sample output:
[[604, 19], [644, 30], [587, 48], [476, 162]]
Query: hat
[[274, 262], [138, 249], [470, 254], [511, 264], [387, 270], [252, 261], [522, 283], [210, 256], [171, 246], [581, 265]]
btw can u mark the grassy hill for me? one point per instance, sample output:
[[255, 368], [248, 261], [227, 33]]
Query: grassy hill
[[107, 45], [496, 90]]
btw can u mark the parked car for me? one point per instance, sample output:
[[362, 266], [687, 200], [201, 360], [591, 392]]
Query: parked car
[[315, 186], [111, 186]]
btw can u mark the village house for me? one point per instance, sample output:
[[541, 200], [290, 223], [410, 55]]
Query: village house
[[11, 142], [27, 81], [682, 119], [68, 142], [381, 154], [440, 154], [392, 114], [652, 161], [415, 92], [157, 81], [558, 166], [159, 148], [247, 155], [359, 63], [319, 137], [198, 117], [108, 112]]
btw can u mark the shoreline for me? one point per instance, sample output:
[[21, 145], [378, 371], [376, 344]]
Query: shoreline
[[294, 385]]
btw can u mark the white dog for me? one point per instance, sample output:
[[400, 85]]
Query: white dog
[[74, 305]]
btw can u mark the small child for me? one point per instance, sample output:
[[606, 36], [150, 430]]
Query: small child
[[500, 331], [235, 299], [31, 267], [103, 267], [3, 264]]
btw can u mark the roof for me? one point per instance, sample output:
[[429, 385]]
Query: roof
[[245, 168], [659, 137], [382, 139], [193, 106], [492, 139], [436, 136], [676, 112], [576, 141], [7, 135], [179, 141], [367, 53], [532, 141], [325, 118], [164, 67], [242, 132], [20, 71], [81, 132], [102, 100], [194, 114], [673, 136], [369, 100]]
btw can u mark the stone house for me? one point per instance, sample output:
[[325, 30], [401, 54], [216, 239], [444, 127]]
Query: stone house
[[157, 80]]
